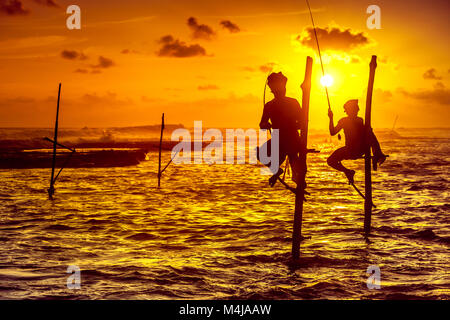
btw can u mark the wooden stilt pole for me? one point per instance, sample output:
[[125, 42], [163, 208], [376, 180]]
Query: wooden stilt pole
[[300, 190], [367, 163], [51, 190], [160, 147]]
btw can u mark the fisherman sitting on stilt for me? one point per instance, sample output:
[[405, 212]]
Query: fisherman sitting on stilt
[[285, 114], [355, 140]]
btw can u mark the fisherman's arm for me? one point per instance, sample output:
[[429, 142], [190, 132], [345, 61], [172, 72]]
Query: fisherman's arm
[[333, 130]]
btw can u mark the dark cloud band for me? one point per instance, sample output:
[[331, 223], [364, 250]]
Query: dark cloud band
[[333, 39], [230, 26], [431, 74], [175, 48], [12, 8], [200, 31]]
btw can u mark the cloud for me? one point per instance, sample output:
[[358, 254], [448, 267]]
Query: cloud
[[69, 54], [17, 100], [72, 55], [128, 51], [251, 69], [382, 96], [48, 3], [439, 85], [333, 38], [12, 7], [230, 26], [15, 7], [200, 31], [431, 74], [435, 96], [175, 48], [266, 67], [383, 59], [103, 63], [208, 87]]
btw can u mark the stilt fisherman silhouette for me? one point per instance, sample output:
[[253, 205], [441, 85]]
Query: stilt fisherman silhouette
[[355, 140], [285, 114]]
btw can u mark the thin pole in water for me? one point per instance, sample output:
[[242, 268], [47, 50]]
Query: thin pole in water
[[367, 163], [395, 122], [51, 190], [160, 147], [361, 194], [300, 190]]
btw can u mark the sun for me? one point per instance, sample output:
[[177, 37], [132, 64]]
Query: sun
[[326, 80]]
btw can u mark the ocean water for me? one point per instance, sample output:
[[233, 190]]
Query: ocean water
[[220, 232]]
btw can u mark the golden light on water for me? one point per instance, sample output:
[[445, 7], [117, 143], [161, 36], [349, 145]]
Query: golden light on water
[[326, 80]]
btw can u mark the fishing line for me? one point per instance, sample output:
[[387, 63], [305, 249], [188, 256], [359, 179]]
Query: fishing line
[[264, 94], [320, 56], [318, 49]]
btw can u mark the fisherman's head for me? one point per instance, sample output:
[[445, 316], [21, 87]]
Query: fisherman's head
[[351, 107], [277, 84]]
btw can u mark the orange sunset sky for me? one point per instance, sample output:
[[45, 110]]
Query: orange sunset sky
[[208, 60]]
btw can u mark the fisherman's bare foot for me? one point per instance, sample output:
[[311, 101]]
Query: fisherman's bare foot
[[382, 159], [350, 174], [273, 179], [378, 160]]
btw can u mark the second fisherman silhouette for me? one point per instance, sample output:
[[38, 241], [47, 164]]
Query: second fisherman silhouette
[[355, 140], [285, 114]]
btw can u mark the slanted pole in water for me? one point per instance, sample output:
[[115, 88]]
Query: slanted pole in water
[[300, 190], [395, 122], [51, 190], [160, 147], [368, 158]]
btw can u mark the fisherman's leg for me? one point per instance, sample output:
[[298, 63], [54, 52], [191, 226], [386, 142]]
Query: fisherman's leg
[[375, 145], [281, 158], [298, 169], [378, 156], [335, 159]]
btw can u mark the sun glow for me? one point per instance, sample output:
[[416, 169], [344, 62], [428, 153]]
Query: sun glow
[[326, 80]]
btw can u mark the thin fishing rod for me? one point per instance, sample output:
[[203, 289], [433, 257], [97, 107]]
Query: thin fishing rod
[[264, 94], [265, 86], [318, 49]]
